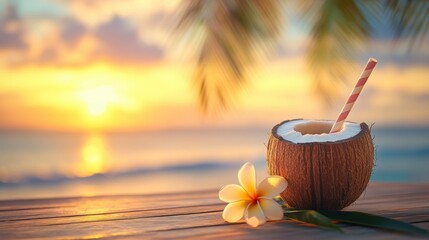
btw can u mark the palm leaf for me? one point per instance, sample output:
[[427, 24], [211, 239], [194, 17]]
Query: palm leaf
[[312, 217], [339, 28], [409, 19], [229, 36], [369, 220]]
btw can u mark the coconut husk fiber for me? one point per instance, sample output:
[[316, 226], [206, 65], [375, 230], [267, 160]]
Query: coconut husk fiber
[[322, 175]]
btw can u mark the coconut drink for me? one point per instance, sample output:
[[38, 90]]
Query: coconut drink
[[326, 163], [325, 171]]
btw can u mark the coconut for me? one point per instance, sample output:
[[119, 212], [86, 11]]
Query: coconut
[[325, 171]]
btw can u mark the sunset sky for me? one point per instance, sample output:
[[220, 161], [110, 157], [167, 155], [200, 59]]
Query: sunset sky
[[113, 65]]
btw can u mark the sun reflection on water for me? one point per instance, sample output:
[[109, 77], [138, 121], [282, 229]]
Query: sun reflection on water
[[93, 156]]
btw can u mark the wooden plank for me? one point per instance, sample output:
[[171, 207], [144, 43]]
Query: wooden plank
[[10, 210], [192, 215]]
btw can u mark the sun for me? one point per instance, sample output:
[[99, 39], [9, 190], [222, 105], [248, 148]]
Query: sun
[[96, 107], [98, 99], [93, 156]]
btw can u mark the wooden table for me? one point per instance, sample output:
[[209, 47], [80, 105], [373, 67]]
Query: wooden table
[[194, 215]]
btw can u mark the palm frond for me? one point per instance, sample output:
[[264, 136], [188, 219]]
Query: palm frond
[[229, 36], [339, 28], [410, 19]]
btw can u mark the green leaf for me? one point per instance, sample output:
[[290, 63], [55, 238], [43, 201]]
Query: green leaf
[[312, 217], [365, 219]]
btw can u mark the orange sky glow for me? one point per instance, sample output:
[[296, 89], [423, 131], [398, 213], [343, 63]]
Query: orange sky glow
[[63, 70]]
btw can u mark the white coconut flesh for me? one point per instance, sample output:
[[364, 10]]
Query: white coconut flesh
[[306, 131]]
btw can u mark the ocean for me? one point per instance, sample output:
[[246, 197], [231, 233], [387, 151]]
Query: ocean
[[48, 164]]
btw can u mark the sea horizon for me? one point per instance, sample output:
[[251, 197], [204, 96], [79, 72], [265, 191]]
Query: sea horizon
[[57, 164]]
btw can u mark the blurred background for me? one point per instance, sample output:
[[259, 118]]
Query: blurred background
[[123, 97]]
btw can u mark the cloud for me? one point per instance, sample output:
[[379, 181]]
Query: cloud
[[68, 41], [49, 55], [152, 19], [101, 11], [10, 30], [72, 31], [65, 44], [62, 41], [120, 42]]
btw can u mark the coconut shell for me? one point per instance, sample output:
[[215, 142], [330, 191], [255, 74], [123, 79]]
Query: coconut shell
[[322, 175]]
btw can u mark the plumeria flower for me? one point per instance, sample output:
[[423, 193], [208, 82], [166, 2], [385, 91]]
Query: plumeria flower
[[255, 204]]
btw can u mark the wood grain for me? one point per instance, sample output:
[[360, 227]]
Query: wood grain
[[193, 215]]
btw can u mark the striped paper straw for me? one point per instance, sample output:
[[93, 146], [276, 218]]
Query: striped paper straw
[[354, 95]]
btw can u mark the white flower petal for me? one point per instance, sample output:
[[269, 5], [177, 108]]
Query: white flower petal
[[254, 215], [247, 178], [272, 186], [235, 211], [233, 193], [272, 210]]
